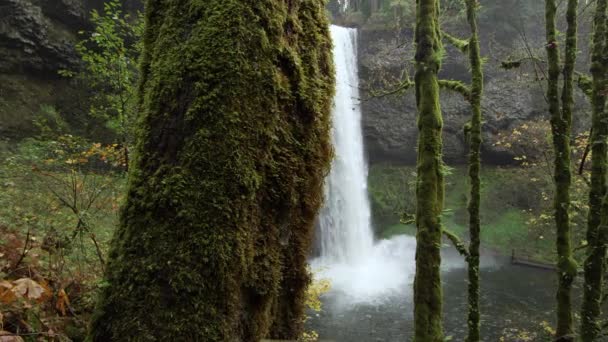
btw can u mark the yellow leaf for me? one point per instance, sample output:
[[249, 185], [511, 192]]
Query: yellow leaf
[[62, 302]]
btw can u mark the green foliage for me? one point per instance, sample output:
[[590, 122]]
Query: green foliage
[[516, 207], [49, 122], [392, 193], [109, 54]]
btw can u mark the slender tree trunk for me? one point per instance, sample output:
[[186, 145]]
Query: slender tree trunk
[[474, 168], [430, 183], [561, 121], [596, 237], [226, 177]]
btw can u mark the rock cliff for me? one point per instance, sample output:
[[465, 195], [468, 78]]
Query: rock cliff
[[37, 39], [511, 97]]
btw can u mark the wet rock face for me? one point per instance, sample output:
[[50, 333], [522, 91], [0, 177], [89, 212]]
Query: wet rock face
[[38, 36], [389, 121], [37, 40]]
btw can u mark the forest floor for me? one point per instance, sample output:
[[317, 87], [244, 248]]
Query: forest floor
[[59, 203]]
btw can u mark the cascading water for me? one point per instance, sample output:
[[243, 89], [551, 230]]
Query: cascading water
[[345, 229], [356, 266], [371, 281]]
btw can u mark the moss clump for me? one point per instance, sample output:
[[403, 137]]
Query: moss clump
[[232, 146]]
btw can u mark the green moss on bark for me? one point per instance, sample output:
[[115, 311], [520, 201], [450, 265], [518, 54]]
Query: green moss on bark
[[561, 122], [233, 144], [596, 233], [474, 172], [430, 182]]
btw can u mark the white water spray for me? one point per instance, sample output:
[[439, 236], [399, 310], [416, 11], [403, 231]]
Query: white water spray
[[356, 267]]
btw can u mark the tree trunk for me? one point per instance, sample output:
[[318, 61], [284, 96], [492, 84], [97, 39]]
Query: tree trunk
[[227, 172], [561, 121], [474, 168], [430, 184], [596, 237]]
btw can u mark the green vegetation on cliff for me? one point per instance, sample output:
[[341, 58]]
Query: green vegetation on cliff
[[515, 208]]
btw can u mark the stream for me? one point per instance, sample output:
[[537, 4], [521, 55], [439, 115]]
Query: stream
[[514, 300]]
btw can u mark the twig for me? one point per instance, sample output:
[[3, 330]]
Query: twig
[[25, 249]]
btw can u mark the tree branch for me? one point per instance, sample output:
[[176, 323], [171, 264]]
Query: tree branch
[[460, 44], [456, 86], [402, 86], [458, 244], [584, 83]]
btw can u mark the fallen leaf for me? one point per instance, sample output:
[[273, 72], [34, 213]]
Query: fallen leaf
[[6, 336], [6, 295], [27, 288], [62, 302]]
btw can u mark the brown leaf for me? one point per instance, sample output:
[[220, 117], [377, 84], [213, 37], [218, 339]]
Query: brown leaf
[[6, 295], [28, 288], [62, 302], [6, 336]]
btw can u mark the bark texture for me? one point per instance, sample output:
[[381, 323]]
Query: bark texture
[[596, 233], [226, 179], [561, 122], [430, 182], [474, 168]]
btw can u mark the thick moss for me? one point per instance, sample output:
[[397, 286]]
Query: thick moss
[[430, 183], [596, 233], [226, 180]]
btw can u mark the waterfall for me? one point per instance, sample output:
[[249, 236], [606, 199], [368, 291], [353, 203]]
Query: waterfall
[[345, 221], [358, 268]]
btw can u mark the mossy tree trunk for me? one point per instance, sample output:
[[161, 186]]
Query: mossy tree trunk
[[561, 122], [596, 234], [430, 183], [474, 168], [226, 180]]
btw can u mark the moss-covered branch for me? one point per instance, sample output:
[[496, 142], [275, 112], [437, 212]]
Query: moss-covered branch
[[393, 90], [457, 243], [460, 44], [516, 63], [458, 87], [451, 85], [585, 84]]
